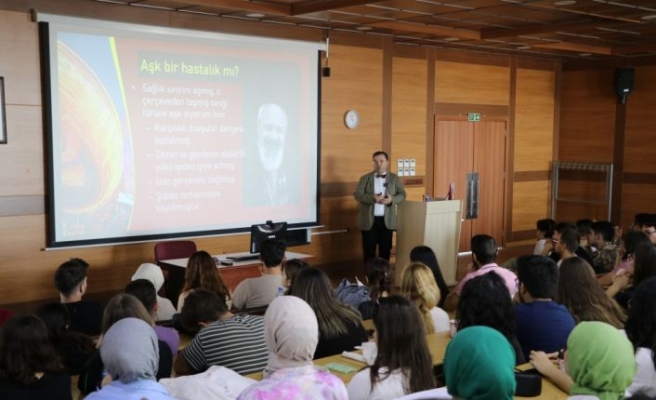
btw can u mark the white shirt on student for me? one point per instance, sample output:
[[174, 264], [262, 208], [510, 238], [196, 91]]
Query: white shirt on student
[[644, 381], [359, 388]]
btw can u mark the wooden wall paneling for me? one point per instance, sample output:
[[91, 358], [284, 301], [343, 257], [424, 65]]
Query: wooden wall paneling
[[640, 135], [355, 83], [637, 198], [19, 59], [387, 97], [590, 190], [534, 120], [530, 201], [430, 122], [510, 154], [587, 116], [409, 112], [471, 83]]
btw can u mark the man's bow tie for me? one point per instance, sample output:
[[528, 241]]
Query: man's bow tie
[[381, 175]]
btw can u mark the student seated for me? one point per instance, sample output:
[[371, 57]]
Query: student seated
[[291, 335], [598, 363], [403, 364], [604, 249], [418, 284], [544, 232], [340, 325], [290, 269], [235, 341], [30, 367], [129, 354], [630, 241], [201, 273], [379, 283], [541, 324], [260, 291], [144, 290], [426, 256], [484, 255], [641, 330], [154, 274], [71, 281], [625, 284]]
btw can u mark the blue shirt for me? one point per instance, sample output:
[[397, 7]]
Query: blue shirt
[[136, 390], [542, 326]]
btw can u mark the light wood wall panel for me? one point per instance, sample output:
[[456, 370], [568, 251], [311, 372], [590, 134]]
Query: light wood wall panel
[[355, 83], [587, 116], [19, 59], [534, 120], [22, 171], [471, 83], [530, 200], [640, 135], [409, 77], [637, 198]]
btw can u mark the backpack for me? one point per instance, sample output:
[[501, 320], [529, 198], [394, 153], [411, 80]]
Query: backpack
[[352, 293]]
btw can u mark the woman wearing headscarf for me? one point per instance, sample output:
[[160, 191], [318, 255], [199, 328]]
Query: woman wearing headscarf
[[291, 333], [599, 361], [153, 273], [479, 365], [130, 354]]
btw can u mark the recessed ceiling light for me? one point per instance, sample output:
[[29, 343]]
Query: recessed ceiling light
[[363, 28], [564, 2], [648, 17], [255, 15], [451, 39]]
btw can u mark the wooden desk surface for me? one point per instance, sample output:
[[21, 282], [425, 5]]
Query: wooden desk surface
[[182, 262]]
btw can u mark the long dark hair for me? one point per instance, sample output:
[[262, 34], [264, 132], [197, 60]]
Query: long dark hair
[[25, 349], [202, 273], [645, 263], [640, 327], [631, 240], [313, 286], [378, 277], [426, 256], [579, 291], [485, 300], [401, 344]]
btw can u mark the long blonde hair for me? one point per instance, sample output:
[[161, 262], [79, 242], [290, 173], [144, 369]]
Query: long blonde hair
[[418, 284]]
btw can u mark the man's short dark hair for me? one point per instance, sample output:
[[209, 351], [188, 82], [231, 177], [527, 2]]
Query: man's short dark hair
[[380, 153], [484, 247], [650, 221], [605, 228], [69, 275], [570, 238], [144, 290], [546, 226], [641, 218], [561, 226], [583, 226], [539, 275], [272, 252], [201, 305]]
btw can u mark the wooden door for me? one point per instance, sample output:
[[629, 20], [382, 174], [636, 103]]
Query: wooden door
[[461, 148]]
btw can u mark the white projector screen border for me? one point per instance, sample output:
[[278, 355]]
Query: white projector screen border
[[155, 133]]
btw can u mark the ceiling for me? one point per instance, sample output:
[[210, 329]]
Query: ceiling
[[562, 29]]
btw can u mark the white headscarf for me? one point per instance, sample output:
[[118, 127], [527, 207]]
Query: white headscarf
[[291, 333], [150, 272], [130, 351]]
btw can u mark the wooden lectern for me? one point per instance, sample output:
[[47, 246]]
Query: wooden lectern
[[435, 224]]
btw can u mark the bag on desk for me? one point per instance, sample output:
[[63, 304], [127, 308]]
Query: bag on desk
[[352, 293], [529, 383]]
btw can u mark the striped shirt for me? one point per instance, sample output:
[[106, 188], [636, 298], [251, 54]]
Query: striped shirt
[[236, 343]]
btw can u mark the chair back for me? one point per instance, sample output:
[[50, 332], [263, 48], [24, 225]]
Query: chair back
[[174, 249]]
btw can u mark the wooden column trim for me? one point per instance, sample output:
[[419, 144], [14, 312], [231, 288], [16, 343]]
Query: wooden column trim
[[618, 162], [430, 123], [558, 80], [510, 154], [388, 53]]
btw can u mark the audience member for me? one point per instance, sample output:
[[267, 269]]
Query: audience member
[[130, 354], [418, 285], [426, 256], [226, 339], [584, 229], [599, 363], [74, 348], [644, 267], [639, 221], [260, 291], [604, 249], [291, 332], [379, 283], [544, 232], [154, 274], [542, 325], [485, 301], [340, 325], [549, 247], [201, 273], [145, 292], [479, 364], [565, 244], [649, 228], [641, 330], [403, 363], [71, 281], [579, 291], [30, 367], [290, 269], [120, 307], [630, 240], [484, 254]]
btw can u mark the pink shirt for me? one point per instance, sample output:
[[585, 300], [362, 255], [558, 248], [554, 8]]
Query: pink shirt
[[508, 277]]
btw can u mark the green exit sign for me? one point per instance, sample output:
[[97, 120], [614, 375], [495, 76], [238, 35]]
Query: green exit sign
[[473, 117]]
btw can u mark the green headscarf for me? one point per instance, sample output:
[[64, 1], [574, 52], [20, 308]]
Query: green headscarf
[[600, 360], [479, 365]]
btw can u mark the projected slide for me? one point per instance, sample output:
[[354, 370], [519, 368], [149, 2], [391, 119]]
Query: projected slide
[[154, 134]]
